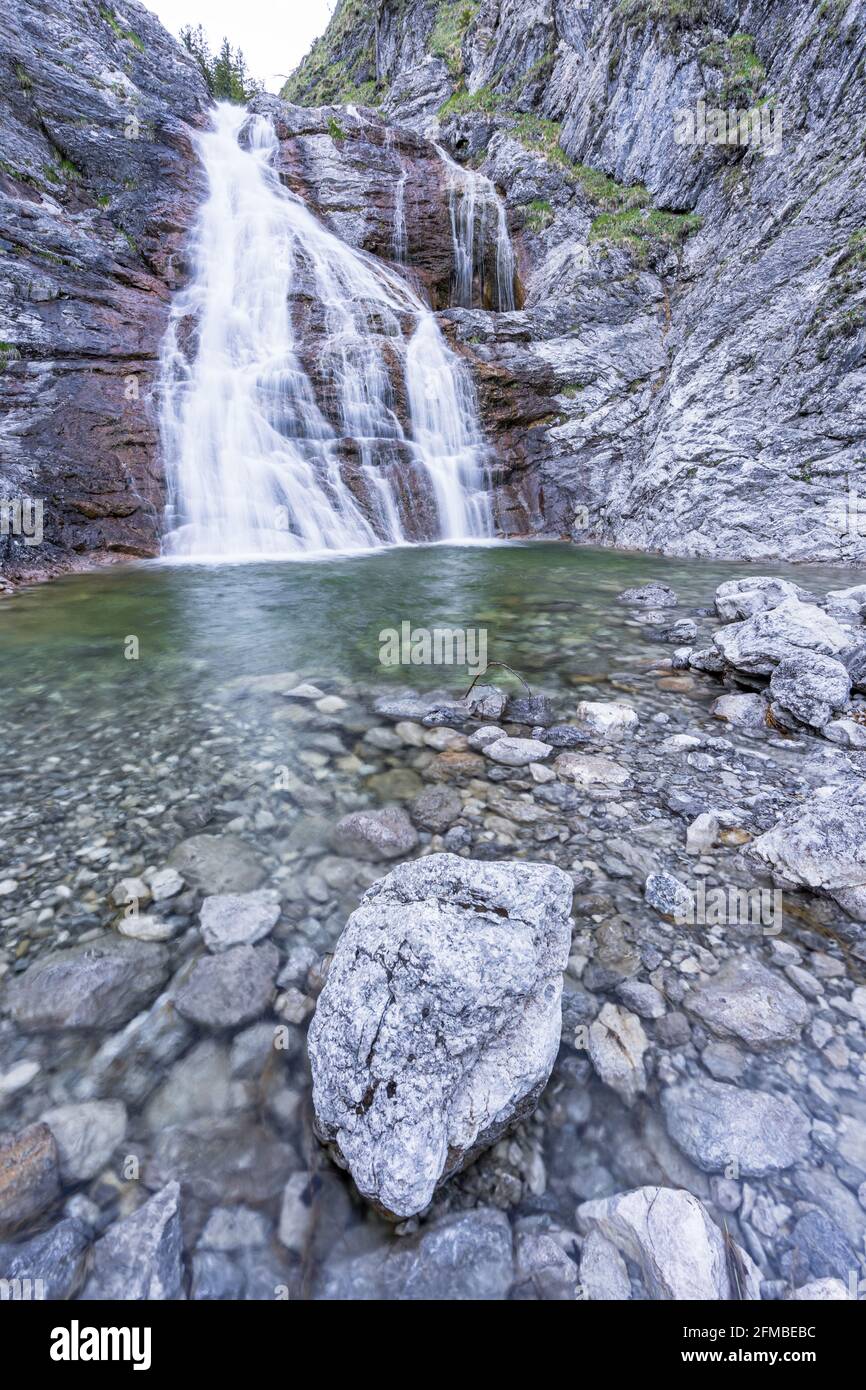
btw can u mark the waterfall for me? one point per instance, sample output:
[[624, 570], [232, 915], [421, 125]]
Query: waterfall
[[282, 438], [472, 203], [399, 238], [399, 243]]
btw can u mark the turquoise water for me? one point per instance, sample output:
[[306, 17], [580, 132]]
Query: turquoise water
[[544, 606]]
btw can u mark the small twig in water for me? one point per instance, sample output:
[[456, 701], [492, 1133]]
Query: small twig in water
[[505, 667]]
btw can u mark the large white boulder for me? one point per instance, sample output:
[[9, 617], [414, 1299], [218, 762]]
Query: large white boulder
[[758, 644], [440, 1020], [669, 1234]]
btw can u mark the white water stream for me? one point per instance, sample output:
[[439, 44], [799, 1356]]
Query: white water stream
[[255, 434], [474, 204]]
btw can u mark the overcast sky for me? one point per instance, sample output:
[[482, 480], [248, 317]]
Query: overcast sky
[[273, 36]]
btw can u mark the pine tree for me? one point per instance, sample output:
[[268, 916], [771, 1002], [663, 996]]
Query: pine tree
[[226, 74]]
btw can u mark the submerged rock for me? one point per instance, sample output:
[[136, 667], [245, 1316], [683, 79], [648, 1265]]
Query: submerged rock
[[517, 752], [221, 1160], [607, 718], [436, 808], [238, 919], [440, 1020], [563, 735], [375, 835], [654, 595], [588, 768], [603, 1273], [96, 986], [617, 1043], [29, 1177], [140, 1256], [821, 1290], [86, 1136], [669, 1234], [218, 864], [543, 1271], [718, 1126], [746, 1000], [742, 711], [230, 989], [466, 1256], [53, 1260], [819, 1250], [669, 896], [529, 709]]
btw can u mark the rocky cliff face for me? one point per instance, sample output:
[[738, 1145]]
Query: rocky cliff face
[[684, 371], [684, 181], [98, 185]]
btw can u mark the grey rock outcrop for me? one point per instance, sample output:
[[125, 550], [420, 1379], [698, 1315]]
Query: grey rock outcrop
[[810, 687], [738, 599], [98, 188], [440, 1020], [758, 644]]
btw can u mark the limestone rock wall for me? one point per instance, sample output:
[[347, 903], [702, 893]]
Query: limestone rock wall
[[693, 333], [98, 187]]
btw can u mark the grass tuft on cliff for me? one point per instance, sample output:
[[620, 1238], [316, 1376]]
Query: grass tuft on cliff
[[743, 73], [453, 18], [340, 68], [128, 35], [678, 14], [642, 230], [628, 219]]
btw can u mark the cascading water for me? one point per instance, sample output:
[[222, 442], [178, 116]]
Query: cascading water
[[399, 238], [399, 242], [473, 202], [255, 437]]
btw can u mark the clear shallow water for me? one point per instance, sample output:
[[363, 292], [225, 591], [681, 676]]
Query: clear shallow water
[[200, 623], [109, 763]]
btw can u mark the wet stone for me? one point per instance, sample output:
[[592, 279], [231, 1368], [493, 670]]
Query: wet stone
[[375, 835], [716, 1125], [230, 989], [53, 1261], [218, 864], [86, 1136], [238, 919], [29, 1177], [141, 1256], [97, 986], [747, 1001]]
